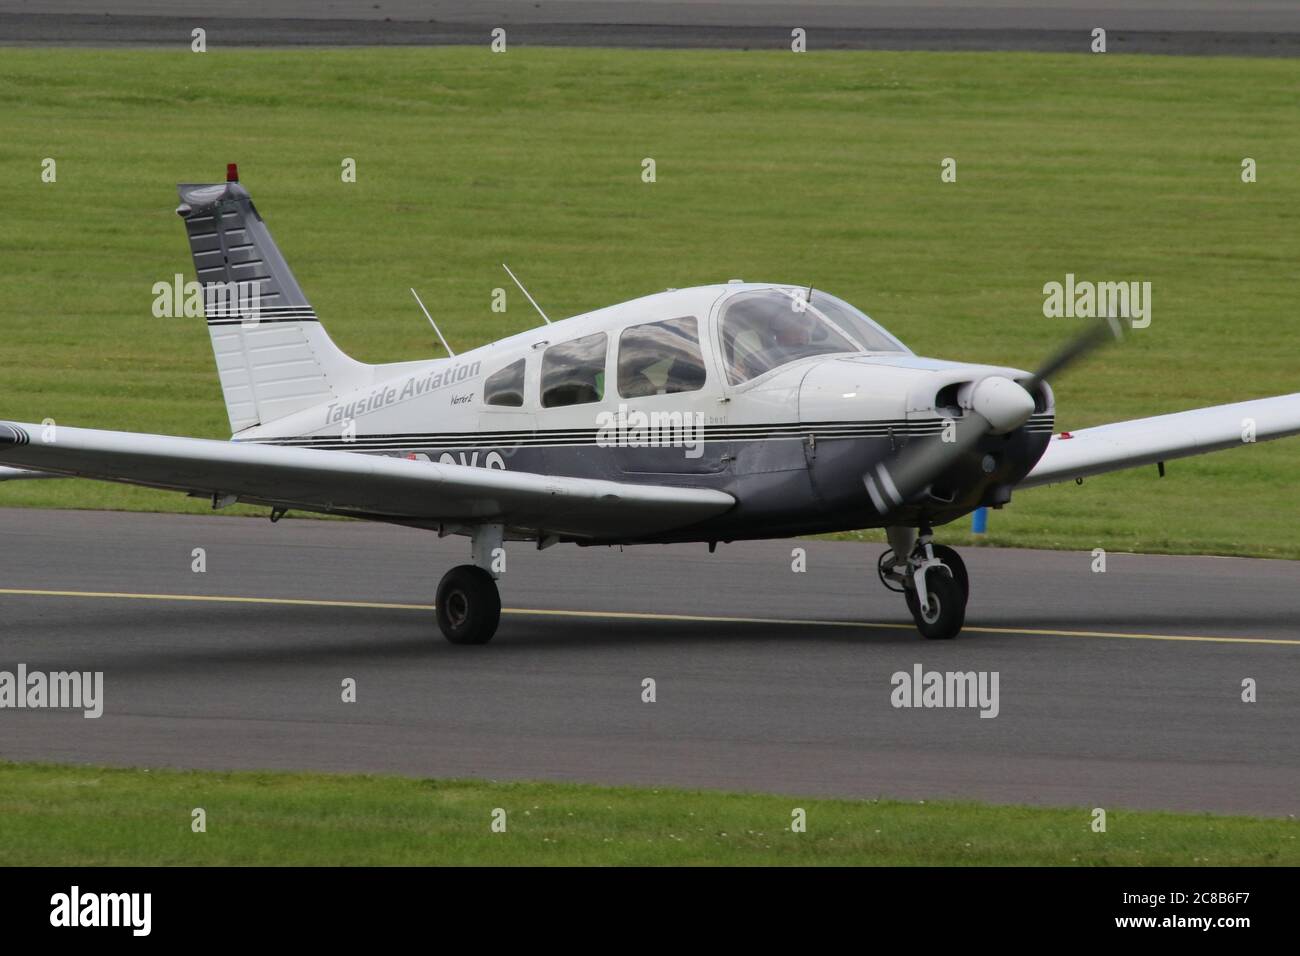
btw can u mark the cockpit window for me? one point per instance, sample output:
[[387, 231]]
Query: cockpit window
[[766, 329], [867, 333]]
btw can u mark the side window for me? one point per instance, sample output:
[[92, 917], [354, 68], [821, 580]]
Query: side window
[[660, 358], [573, 373], [505, 387]]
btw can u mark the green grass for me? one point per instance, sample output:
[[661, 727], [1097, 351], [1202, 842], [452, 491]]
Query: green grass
[[86, 816], [821, 167]]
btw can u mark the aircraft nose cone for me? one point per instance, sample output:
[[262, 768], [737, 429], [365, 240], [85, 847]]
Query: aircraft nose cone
[[1004, 404]]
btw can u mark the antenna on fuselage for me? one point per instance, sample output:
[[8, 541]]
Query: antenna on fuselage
[[434, 324], [525, 292]]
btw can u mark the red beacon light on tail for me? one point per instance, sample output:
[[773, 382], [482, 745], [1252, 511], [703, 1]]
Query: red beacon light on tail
[[232, 173]]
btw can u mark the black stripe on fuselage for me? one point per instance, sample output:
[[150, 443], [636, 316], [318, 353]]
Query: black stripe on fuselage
[[583, 437]]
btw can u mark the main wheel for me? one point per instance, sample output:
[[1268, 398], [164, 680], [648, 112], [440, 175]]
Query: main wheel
[[958, 567], [469, 605], [947, 606]]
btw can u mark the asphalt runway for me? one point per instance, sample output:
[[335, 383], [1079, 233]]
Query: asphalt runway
[[1120, 689], [1199, 27]]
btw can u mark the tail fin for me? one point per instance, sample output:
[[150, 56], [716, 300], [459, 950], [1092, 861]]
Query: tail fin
[[273, 356]]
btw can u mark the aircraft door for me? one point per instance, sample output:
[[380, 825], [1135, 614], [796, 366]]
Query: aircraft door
[[667, 416]]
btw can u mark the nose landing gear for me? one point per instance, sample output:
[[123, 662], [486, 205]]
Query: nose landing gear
[[932, 579]]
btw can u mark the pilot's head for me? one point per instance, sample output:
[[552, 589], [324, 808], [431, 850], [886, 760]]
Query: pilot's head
[[790, 329]]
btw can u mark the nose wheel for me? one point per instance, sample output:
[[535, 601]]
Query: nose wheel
[[944, 611], [952, 560], [937, 572]]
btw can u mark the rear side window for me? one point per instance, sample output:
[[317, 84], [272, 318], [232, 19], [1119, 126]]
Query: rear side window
[[573, 373], [506, 387], [660, 358]]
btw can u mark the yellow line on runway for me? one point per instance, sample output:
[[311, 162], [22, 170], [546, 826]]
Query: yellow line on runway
[[216, 598], [643, 616]]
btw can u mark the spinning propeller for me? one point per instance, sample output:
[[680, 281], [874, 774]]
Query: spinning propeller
[[994, 405]]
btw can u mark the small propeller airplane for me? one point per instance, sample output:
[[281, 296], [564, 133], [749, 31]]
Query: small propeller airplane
[[717, 413]]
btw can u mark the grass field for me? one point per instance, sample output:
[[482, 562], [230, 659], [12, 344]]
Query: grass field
[[56, 815], [820, 168]]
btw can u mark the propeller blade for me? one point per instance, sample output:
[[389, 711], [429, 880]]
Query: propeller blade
[[1097, 333], [922, 461]]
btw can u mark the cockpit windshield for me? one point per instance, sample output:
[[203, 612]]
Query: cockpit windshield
[[868, 334], [768, 328]]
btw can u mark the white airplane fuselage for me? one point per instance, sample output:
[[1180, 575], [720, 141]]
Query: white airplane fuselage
[[792, 444]]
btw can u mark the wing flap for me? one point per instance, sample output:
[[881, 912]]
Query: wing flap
[[353, 483], [1144, 441]]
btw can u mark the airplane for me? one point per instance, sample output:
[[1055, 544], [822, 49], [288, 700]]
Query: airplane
[[717, 413]]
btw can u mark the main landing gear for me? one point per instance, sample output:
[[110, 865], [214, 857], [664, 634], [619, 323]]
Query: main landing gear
[[468, 602], [932, 579]]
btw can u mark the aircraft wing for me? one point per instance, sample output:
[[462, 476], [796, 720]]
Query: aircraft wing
[[363, 485], [1144, 441]]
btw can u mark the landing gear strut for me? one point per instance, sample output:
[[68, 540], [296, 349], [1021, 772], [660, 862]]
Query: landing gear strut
[[932, 578], [468, 602]]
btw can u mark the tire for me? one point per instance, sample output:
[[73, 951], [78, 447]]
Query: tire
[[948, 607], [951, 558], [468, 605]]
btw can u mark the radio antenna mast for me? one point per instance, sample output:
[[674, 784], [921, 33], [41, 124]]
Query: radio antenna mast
[[434, 324], [525, 292]]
